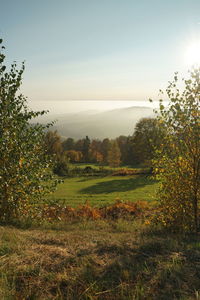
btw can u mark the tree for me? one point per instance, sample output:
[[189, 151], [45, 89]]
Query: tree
[[124, 145], [129, 155], [114, 155], [53, 143], [177, 164], [68, 144], [24, 164], [55, 149], [147, 137], [95, 151], [96, 156], [73, 155], [86, 148], [105, 146], [79, 145]]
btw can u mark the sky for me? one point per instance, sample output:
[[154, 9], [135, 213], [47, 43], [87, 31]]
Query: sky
[[123, 50]]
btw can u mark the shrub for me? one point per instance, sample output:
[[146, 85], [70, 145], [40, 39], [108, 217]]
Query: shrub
[[25, 166], [177, 164], [61, 168]]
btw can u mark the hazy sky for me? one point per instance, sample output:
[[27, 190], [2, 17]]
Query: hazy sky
[[98, 49]]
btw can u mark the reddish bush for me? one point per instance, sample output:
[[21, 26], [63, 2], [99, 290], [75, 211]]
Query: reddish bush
[[119, 209]]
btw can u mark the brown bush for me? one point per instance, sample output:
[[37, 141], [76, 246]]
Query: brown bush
[[52, 213]]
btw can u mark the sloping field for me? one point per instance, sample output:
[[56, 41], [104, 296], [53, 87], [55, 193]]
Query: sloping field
[[99, 261], [103, 190]]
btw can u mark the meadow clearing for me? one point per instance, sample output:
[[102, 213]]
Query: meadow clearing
[[99, 191]]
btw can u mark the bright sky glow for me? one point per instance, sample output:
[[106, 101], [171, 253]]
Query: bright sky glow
[[99, 50], [192, 56]]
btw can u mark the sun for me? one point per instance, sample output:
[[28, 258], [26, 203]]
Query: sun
[[192, 55]]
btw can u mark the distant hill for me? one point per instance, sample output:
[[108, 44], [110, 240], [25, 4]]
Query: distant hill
[[111, 123]]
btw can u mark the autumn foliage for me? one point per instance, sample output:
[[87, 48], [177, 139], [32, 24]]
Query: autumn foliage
[[55, 213], [177, 162]]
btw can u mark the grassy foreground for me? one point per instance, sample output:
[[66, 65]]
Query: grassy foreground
[[98, 260], [105, 190]]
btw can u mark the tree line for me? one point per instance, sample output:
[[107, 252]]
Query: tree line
[[137, 149]]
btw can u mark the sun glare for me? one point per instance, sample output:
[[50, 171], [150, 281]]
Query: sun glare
[[192, 55]]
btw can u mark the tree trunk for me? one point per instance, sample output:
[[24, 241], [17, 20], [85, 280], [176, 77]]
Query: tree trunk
[[196, 219]]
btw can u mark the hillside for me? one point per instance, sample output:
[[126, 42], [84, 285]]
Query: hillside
[[111, 123], [99, 261]]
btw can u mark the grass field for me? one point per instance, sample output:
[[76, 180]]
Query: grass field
[[120, 260], [97, 166], [103, 190]]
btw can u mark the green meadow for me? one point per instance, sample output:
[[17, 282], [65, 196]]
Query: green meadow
[[99, 191]]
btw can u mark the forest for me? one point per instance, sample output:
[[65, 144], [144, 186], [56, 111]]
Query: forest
[[125, 150]]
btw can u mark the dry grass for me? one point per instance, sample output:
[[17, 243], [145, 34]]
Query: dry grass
[[98, 260]]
